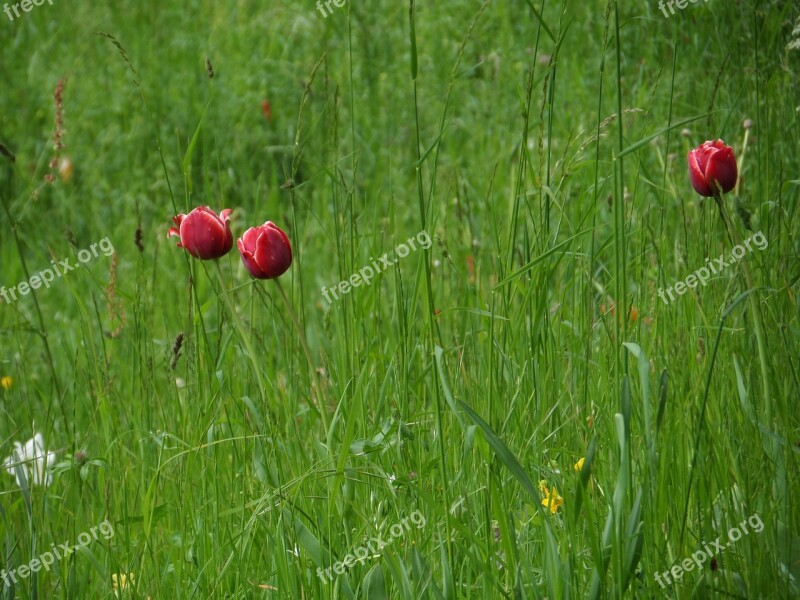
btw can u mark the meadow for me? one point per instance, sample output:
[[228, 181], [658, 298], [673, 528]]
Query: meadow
[[508, 408]]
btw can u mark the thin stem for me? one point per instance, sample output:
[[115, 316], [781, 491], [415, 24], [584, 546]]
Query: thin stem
[[741, 162], [430, 321], [42, 333], [223, 291], [304, 343], [755, 307]]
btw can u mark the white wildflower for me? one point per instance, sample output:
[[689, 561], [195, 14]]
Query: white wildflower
[[795, 43], [33, 460]]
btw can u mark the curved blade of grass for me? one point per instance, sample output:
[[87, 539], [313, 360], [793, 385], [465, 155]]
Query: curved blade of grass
[[413, 35], [446, 388], [422, 574], [22, 478], [663, 388], [507, 457], [692, 467], [94, 562], [447, 574], [617, 506], [400, 575], [374, 585], [649, 138], [539, 18], [538, 259], [634, 543], [187, 159], [9, 588], [583, 478], [644, 381]]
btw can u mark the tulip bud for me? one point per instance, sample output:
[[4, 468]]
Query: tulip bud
[[266, 251], [712, 168], [204, 234]]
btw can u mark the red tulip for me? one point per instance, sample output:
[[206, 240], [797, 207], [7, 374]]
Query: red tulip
[[712, 168], [266, 251], [204, 234]]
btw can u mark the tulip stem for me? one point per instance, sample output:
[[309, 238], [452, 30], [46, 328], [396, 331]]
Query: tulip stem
[[755, 307], [314, 373], [244, 335], [723, 213]]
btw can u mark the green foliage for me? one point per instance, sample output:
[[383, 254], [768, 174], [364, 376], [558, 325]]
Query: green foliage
[[239, 440]]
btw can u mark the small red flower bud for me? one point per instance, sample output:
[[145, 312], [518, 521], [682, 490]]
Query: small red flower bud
[[204, 234], [266, 251], [712, 168]]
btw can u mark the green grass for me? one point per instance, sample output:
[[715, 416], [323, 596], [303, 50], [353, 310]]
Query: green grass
[[528, 336]]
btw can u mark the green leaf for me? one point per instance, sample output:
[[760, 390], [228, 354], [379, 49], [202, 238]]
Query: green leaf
[[22, 478], [84, 550], [647, 140], [374, 584], [448, 396], [539, 259], [305, 539], [423, 576], [634, 541], [400, 575], [583, 478], [187, 159], [505, 455], [9, 588], [663, 388], [541, 21], [413, 35]]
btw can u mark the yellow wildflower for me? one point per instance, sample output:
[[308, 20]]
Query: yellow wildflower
[[121, 581], [6, 382], [551, 498], [579, 465]]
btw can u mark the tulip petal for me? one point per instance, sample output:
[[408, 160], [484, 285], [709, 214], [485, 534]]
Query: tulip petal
[[696, 175], [247, 256], [250, 238], [721, 170]]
